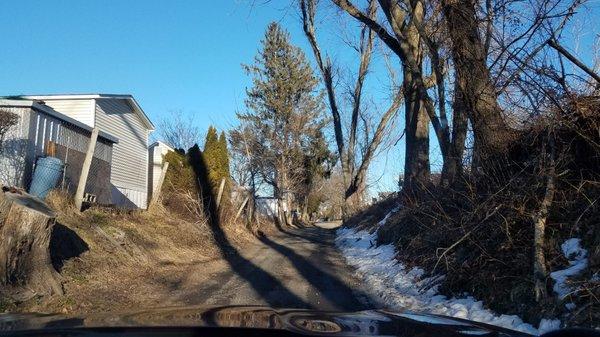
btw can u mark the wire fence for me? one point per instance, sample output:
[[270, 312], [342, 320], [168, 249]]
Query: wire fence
[[70, 147]]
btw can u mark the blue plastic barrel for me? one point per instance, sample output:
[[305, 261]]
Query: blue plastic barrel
[[48, 171]]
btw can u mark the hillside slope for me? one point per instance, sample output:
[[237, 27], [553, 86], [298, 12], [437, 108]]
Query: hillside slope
[[119, 260]]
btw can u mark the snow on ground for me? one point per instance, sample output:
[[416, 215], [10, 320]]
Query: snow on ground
[[387, 216], [407, 289], [578, 261]]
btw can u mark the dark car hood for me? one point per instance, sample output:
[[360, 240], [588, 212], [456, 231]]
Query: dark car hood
[[362, 323]]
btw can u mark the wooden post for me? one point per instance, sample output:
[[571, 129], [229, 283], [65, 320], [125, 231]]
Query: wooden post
[[158, 188], [240, 209], [221, 188], [85, 169]]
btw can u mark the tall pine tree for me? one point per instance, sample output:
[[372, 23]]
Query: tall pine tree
[[285, 112]]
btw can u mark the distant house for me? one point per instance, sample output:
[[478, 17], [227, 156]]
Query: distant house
[[156, 152], [121, 116], [43, 131], [267, 206]]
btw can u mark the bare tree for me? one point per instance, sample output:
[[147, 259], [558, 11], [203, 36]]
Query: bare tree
[[504, 70], [354, 160], [245, 169], [406, 39], [179, 131], [478, 94]]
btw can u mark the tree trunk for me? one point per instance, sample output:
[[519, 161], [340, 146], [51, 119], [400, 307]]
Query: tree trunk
[[251, 214], [304, 217], [353, 201], [416, 161], [25, 227], [540, 272], [452, 168], [281, 212], [492, 135]]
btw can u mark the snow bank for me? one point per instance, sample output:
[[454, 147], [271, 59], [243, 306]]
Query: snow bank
[[577, 257], [397, 287]]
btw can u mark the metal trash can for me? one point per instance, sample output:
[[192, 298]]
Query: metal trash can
[[48, 171]]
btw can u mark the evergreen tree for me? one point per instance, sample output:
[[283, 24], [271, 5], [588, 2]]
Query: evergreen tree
[[217, 162], [285, 112], [211, 156], [197, 161], [224, 155]]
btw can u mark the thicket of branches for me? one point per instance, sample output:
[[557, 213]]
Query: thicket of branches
[[515, 115]]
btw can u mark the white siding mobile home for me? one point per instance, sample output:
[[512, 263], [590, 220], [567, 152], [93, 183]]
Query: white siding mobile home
[[40, 128], [121, 116]]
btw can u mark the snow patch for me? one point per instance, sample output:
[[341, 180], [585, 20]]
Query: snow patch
[[547, 325], [387, 216], [578, 261], [400, 288]]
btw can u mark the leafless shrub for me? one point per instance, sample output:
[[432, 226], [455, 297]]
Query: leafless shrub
[[179, 131]]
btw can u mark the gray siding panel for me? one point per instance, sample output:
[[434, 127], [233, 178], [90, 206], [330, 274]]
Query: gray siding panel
[[130, 155]]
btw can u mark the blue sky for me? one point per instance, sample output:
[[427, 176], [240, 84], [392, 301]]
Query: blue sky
[[171, 55]]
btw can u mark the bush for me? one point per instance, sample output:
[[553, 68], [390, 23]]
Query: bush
[[180, 191]]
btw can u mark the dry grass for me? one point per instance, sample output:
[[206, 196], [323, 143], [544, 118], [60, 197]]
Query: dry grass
[[131, 256]]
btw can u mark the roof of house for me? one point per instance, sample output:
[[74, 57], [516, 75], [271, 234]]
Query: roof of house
[[158, 142], [23, 103], [129, 98]]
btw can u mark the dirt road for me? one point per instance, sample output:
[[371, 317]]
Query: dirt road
[[294, 268]]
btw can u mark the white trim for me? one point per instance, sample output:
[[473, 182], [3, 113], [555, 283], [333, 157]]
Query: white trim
[[158, 142]]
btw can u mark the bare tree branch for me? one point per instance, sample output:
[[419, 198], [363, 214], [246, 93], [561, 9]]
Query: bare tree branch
[[554, 44]]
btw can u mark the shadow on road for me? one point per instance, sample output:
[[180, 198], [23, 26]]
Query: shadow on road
[[334, 290], [306, 235], [268, 287]]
